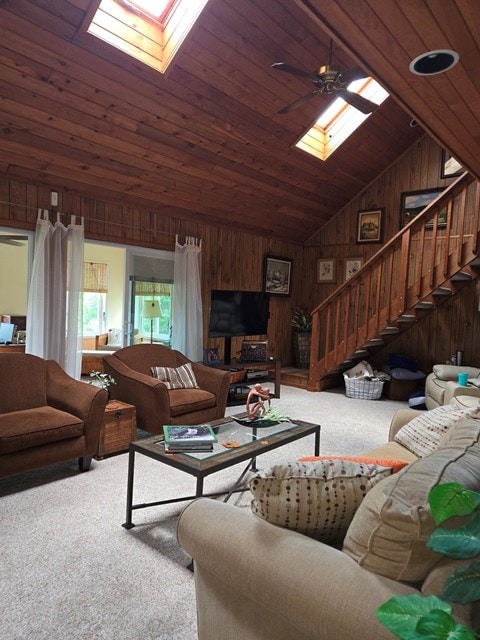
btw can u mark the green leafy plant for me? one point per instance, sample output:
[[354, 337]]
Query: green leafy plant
[[301, 319], [430, 618], [103, 380]]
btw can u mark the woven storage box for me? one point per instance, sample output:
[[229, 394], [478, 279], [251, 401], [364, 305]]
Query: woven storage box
[[254, 351], [119, 428], [363, 389]]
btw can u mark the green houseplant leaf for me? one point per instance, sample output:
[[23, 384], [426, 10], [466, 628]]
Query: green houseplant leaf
[[452, 499], [439, 625], [463, 585], [401, 614], [463, 542]]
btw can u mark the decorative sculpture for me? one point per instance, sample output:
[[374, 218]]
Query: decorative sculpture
[[256, 401]]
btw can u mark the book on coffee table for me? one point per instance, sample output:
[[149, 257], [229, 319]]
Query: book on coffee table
[[185, 436]]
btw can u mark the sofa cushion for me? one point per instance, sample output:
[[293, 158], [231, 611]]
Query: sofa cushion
[[394, 464], [388, 533], [184, 401], [23, 382], [176, 377], [422, 435], [35, 427], [317, 499]]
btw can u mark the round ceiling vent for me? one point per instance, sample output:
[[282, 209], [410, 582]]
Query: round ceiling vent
[[432, 62]]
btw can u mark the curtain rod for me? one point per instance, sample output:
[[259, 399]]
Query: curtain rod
[[118, 224]]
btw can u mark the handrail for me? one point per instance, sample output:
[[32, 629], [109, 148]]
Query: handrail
[[407, 270]]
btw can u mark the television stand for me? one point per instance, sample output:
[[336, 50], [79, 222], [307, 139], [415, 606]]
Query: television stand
[[236, 366]]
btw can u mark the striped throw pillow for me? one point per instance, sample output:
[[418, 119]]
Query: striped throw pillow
[[176, 378]]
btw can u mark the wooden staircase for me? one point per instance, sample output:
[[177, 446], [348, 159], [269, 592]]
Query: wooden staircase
[[424, 264]]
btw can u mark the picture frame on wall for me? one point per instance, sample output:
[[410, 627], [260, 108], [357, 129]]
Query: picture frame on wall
[[413, 202], [370, 226], [277, 276], [352, 265], [450, 167], [325, 270]]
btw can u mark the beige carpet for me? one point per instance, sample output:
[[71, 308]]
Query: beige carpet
[[70, 571]]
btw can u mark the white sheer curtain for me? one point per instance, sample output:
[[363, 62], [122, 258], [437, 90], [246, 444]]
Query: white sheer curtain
[[187, 318], [54, 310]]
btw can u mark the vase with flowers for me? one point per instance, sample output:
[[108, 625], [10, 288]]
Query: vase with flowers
[[102, 380]]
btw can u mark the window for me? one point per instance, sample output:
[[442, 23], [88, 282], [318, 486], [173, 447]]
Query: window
[[149, 31], [339, 120], [158, 328], [94, 298]]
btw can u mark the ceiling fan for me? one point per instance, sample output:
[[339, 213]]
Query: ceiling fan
[[329, 80], [17, 241]]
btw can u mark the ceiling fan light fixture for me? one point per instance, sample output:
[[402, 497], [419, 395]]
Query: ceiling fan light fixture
[[432, 62]]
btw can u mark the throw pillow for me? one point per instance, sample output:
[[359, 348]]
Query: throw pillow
[[317, 499], [422, 435], [394, 465], [176, 378], [389, 532]]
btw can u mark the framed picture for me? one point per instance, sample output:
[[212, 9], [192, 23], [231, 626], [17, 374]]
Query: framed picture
[[449, 167], [325, 270], [210, 357], [370, 226], [277, 275], [352, 265], [413, 202]]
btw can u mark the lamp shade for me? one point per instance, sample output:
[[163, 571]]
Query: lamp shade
[[151, 309]]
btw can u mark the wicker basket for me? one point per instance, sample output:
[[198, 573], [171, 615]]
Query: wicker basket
[[363, 389]]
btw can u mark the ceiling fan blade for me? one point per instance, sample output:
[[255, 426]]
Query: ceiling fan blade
[[282, 66], [359, 102], [349, 75], [13, 240], [297, 103]]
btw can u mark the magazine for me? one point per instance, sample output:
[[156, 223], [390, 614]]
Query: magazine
[[186, 435]]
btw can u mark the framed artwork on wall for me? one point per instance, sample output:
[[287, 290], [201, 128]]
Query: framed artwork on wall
[[449, 167], [413, 202], [352, 265], [370, 226], [277, 275], [325, 270]]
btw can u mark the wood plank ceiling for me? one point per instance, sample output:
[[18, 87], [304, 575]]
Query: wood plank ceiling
[[205, 142]]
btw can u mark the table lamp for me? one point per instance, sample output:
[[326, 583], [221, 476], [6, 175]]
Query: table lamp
[[151, 310]]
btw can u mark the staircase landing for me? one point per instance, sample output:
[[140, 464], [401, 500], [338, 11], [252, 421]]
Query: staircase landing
[[293, 377]]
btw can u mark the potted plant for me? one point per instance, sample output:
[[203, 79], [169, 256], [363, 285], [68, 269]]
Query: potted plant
[[415, 617], [302, 336]]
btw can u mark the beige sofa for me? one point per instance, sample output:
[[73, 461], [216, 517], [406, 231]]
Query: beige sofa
[[45, 415], [441, 386], [258, 581]]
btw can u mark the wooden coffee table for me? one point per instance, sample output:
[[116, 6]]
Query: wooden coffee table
[[252, 443]]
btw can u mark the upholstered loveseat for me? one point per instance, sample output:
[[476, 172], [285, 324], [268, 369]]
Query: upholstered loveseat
[[441, 386], [45, 415], [258, 581], [156, 401]]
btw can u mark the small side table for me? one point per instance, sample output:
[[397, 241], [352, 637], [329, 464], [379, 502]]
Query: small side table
[[119, 428]]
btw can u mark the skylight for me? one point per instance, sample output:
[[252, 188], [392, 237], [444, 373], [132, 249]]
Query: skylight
[[151, 31], [339, 120], [156, 9]]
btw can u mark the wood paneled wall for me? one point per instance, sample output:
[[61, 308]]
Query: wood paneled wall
[[231, 258], [456, 324]]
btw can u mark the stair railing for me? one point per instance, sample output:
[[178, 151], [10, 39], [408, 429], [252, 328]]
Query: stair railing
[[411, 269]]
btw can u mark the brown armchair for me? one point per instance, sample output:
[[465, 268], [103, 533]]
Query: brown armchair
[[45, 415], [156, 405]]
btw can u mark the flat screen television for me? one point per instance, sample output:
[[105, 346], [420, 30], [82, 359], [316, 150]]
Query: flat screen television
[[237, 313]]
